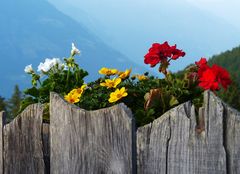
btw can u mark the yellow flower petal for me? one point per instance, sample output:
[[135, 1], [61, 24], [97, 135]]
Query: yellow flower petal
[[125, 74], [74, 95], [123, 90], [107, 71], [124, 94], [117, 95], [142, 77], [84, 86], [103, 84], [71, 98], [111, 83], [112, 100]]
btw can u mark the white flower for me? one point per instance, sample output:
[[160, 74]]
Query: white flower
[[46, 66], [64, 66], [74, 50], [49, 63], [28, 69]]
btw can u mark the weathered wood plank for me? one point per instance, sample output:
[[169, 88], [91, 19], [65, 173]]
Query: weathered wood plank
[[2, 119], [174, 146], [90, 142], [152, 142], [46, 146], [189, 152], [23, 143], [232, 139]]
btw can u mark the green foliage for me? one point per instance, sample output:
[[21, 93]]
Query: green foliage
[[148, 97], [58, 78], [96, 97], [232, 95], [60, 82], [27, 100]]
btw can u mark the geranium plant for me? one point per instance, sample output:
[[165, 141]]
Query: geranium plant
[[147, 96]]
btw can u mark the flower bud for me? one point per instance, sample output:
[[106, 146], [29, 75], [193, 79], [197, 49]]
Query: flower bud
[[28, 69], [74, 50], [146, 73]]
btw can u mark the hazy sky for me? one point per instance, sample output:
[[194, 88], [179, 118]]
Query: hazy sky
[[226, 9]]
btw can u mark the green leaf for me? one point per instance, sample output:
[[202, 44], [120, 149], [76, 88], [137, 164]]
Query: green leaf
[[32, 91], [26, 102], [173, 101]]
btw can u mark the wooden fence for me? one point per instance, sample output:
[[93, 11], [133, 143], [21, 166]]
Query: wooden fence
[[106, 141]]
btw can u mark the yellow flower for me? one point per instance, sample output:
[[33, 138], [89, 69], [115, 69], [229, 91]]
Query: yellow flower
[[81, 89], [72, 97], [117, 95], [111, 83], [107, 71], [124, 75], [141, 77]]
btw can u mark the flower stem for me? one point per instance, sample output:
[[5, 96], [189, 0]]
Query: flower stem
[[39, 82], [68, 74]]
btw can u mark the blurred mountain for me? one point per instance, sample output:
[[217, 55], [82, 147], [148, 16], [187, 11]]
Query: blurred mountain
[[34, 30], [132, 26]]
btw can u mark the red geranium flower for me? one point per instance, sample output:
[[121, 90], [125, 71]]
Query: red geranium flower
[[152, 59], [176, 53], [212, 77], [161, 52], [202, 65], [222, 76], [208, 80], [201, 62]]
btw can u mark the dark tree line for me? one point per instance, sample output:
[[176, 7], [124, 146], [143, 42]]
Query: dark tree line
[[12, 105]]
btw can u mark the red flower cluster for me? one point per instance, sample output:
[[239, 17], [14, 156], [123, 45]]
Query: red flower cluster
[[161, 52], [212, 77]]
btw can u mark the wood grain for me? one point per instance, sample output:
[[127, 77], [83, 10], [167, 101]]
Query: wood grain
[[23, 143], [232, 139], [152, 142], [105, 142], [46, 146], [91, 142], [172, 145]]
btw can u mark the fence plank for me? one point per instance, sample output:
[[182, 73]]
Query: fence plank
[[174, 146], [191, 152], [46, 146], [2, 118], [232, 139], [23, 143], [152, 142], [90, 142]]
